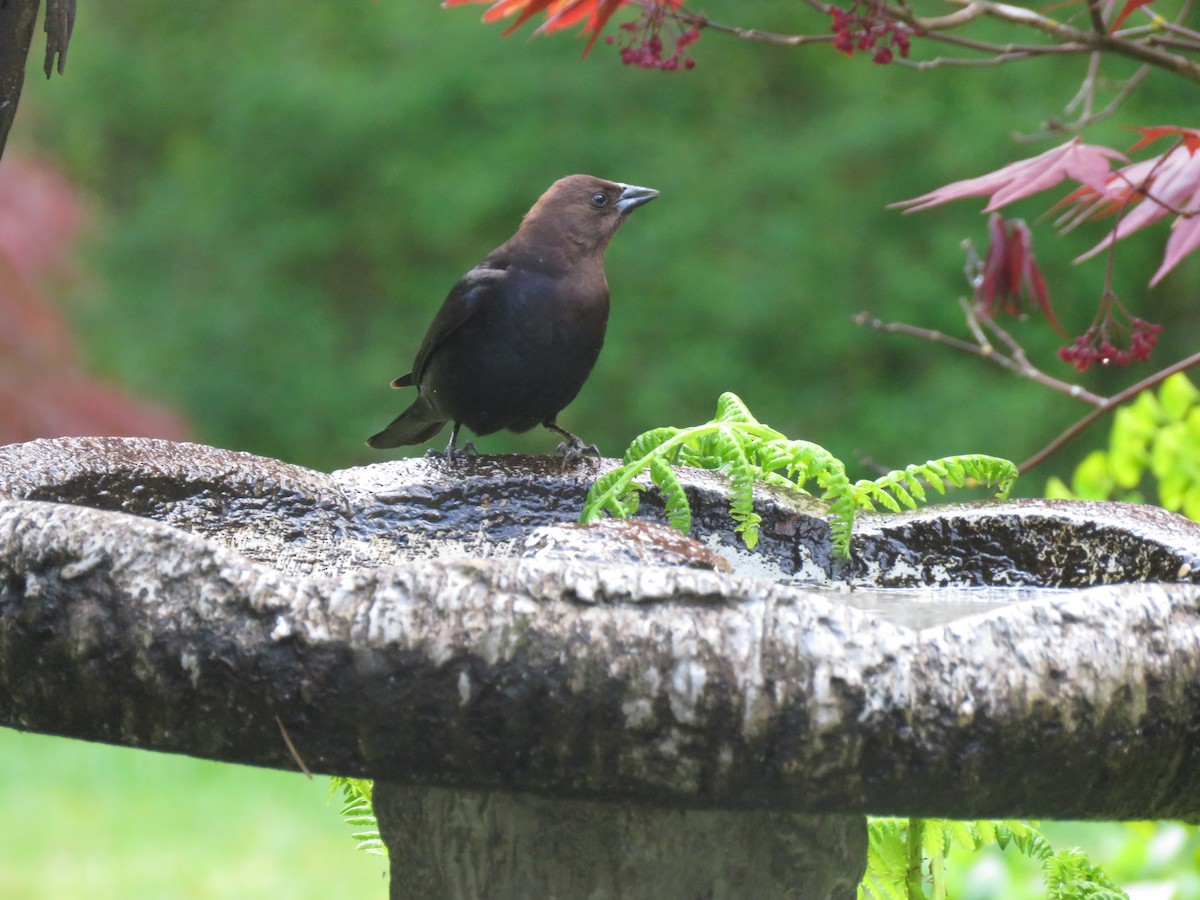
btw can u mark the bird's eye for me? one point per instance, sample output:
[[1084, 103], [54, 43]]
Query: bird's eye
[[599, 200]]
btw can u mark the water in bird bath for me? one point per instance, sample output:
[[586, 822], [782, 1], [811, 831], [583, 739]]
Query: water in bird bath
[[918, 608]]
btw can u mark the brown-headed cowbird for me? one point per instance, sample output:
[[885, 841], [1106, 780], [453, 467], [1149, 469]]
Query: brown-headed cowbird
[[518, 335]]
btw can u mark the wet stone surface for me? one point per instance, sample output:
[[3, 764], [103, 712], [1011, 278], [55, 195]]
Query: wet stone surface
[[443, 624], [304, 522]]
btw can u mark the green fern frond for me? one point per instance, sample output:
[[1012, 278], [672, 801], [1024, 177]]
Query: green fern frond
[[904, 488], [730, 408], [615, 493], [748, 452], [1026, 838], [645, 444], [679, 511], [887, 860], [905, 855], [1070, 875], [358, 812], [741, 505]]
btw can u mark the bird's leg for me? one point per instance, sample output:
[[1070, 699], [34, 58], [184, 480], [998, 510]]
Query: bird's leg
[[452, 452], [573, 449]]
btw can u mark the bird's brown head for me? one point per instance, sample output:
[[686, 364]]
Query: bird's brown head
[[584, 211]]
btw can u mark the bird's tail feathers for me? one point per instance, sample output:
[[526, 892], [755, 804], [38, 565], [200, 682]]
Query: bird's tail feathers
[[410, 427]]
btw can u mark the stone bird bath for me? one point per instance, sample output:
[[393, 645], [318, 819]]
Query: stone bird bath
[[604, 712]]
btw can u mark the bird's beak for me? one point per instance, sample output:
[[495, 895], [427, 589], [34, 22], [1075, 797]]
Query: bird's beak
[[633, 196]]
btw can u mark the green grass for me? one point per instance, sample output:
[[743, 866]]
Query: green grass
[[90, 820]]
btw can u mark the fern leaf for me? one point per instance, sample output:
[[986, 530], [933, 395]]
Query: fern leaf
[[935, 474], [679, 512], [887, 860], [934, 840], [738, 445], [741, 505], [730, 408], [912, 482], [955, 473], [358, 812], [614, 492], [647, 442], [1070, 873], [898, 491], [868, 491]]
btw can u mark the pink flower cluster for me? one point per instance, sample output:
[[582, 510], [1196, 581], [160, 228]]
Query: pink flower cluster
[[1109, 341], [642, 42], [866, 26]]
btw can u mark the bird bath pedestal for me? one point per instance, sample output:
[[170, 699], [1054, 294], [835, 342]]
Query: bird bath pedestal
[[601, 712]]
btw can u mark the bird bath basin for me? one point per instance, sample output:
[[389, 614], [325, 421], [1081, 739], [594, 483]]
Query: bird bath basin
[[575, 707]]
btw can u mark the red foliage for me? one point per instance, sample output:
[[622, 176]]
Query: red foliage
[[44, 391], [867, 26], [1085, 163], [1131, 6], [1010, 271], [1162, 185], [642, 41], [1109, 340], [1139, 194], [559, 13]]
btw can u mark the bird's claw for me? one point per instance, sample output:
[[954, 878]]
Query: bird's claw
[[574, 450], [453, 454]]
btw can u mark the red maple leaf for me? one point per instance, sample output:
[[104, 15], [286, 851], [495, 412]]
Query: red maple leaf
[[1085, 163], [1130, 7], [559, 13], [1010, 271], [1166, 184]]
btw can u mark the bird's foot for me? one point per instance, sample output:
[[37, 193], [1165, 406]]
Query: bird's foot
[[453, 454], [574, 450]]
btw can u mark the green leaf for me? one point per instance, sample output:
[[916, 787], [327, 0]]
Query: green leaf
[[1129, 450], [1091, 479], [1190, 506], [730, 408], [1056, 489], [1177, 394]]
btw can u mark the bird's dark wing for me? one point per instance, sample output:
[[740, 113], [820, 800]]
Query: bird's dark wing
[[465, 299]]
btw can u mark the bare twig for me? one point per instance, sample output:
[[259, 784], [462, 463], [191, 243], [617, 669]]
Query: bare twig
[[292, 748], [1146, 44], [984, 350], [1108, 404], [1018, 362], [1055, 128], [924, 334]]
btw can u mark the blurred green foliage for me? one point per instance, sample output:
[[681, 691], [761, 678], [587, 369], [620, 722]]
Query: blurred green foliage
[[1153, 453], [285, 192], [1150, 860]]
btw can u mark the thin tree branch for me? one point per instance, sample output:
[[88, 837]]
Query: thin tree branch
[[1019, 363], [1106, 406], [1054, 128], [1068, 39], [984, 350]]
